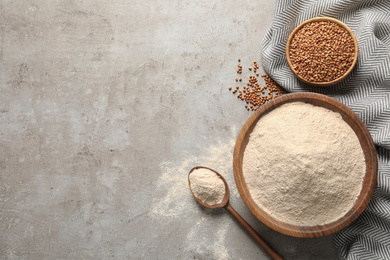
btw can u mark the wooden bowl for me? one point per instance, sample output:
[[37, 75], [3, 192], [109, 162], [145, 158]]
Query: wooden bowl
[[365, 140], [320, 19]]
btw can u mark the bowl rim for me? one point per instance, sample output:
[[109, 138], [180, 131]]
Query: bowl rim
[[319, 19], [365, 139]]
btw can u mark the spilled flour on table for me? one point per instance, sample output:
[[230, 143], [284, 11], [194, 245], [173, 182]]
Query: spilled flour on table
[[206, 230]]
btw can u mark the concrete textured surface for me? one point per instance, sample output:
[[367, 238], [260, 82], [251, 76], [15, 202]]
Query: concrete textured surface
[[104, 108]]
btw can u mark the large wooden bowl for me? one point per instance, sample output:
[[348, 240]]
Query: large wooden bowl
[[366, 143], [320, 19]]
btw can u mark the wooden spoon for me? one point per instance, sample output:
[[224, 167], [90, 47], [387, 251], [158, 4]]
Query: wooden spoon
[[225, 204]]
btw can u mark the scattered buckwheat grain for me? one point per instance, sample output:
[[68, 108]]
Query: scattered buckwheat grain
[[252, 93]]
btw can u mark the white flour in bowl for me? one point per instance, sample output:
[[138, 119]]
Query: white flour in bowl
[[304, 165]]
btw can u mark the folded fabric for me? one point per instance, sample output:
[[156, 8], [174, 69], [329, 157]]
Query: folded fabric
[[366, 91]]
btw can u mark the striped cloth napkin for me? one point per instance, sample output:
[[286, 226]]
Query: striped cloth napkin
[[366, 91]]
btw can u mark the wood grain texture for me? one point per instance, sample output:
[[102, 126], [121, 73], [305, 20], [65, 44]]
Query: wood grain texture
[[320, 19], [366, 143]]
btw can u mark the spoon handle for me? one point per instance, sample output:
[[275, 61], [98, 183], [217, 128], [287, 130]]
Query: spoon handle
[[267, 248]]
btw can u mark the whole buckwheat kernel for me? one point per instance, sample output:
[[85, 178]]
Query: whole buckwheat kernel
[[253, 94]]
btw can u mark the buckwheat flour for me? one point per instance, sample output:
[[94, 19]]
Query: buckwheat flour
[[304, 165], [207, 186]]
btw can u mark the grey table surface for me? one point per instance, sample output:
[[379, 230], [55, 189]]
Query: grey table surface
[[104, 108]]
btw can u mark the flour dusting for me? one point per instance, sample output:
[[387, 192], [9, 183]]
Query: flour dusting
[[206, 235]]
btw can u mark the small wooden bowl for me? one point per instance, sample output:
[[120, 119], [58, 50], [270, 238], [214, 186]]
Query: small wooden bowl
[[367, 145], [320, 19]]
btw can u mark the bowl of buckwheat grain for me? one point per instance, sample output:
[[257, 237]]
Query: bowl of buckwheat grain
[[322, 51]]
